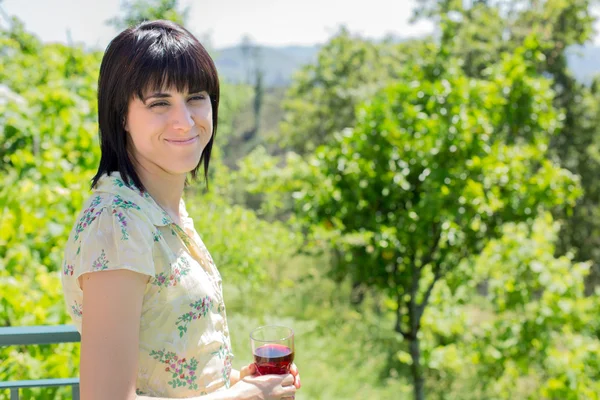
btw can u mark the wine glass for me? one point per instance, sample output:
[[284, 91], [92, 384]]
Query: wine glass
[[273, 349]]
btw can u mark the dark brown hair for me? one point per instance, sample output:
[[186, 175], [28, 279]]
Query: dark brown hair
[[150, 56]]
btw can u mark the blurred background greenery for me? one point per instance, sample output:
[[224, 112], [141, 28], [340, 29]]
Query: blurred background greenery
[[425, 213]]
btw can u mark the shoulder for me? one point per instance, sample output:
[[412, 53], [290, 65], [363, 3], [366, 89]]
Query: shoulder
[[110, 220], [110, 233], [121, 208]]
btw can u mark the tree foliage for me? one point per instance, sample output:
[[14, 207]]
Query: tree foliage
[[322, 97], [431, 172], [559, 25]]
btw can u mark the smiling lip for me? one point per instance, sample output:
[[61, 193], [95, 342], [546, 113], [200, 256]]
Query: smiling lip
[[182, 142]]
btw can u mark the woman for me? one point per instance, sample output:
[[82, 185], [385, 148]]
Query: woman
[[139, 283]]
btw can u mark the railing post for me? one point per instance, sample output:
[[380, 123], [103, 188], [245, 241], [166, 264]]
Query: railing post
[[75, 392], [14, 394]]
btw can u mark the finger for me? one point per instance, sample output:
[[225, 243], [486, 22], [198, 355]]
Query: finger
[[288, 381], [288, 392], [293, 369], [248, 370]]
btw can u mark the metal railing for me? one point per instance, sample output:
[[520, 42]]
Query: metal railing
[[30, 335]]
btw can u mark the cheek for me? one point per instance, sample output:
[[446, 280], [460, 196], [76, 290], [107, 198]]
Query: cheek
[[204, 116], [143, 126], [142, 137]]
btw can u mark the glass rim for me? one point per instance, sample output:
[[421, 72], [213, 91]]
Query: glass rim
[[272, 340]]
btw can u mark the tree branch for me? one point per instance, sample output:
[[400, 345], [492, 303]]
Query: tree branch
[[437, 274], [399, 303], [398, 327], [437, 235], [412, 306]]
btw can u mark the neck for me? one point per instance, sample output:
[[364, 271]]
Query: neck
[[166, 189]]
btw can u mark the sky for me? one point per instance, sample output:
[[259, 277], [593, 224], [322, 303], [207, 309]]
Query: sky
[[267, 22]]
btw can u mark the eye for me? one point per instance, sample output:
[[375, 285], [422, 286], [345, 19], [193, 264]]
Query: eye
[[159, 104], [199, 97]]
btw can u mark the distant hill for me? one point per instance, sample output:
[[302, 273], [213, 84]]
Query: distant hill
[[280, 63]]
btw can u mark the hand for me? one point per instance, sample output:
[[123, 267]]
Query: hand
[[265, 387], [250, 370]]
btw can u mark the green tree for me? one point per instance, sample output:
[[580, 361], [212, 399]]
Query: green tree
[[559, 25], [431, 172], [136, 11], [545, 328], [514, 322], [322, 97]]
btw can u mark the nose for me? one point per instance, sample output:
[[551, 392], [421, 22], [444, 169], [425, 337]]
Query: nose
[[183, 118]]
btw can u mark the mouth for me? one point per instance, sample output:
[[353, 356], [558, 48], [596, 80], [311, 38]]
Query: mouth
[[183, 142]]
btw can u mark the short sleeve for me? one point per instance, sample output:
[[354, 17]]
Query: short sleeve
[[117, 238]]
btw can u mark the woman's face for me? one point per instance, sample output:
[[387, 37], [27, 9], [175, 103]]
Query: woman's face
[[169, 130]]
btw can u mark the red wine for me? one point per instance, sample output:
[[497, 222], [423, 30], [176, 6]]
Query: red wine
[[273, 359]]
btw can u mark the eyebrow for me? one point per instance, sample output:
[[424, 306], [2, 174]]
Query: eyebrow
[[157, 95], [161, 95]]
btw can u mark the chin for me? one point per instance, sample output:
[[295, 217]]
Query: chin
[[184, 171], [179, 169], [181, 165]]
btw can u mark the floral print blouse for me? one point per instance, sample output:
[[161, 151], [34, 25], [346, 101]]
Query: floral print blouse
[[184, 345]]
